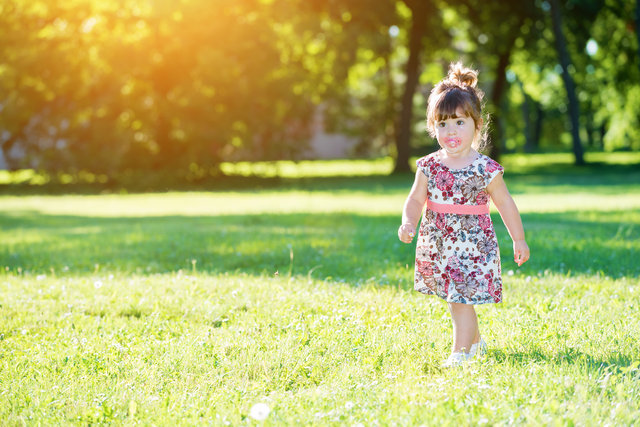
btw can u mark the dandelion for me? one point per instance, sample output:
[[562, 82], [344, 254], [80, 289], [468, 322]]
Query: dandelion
[[97, 284], [349, 405], [133, 407], [259, 411], [41, 277]]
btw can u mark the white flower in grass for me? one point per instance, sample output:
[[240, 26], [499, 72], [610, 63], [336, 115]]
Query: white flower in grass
[[259, 411], [349, 405], [97, 284], [41, 277]]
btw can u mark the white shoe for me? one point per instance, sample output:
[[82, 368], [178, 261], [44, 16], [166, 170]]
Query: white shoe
[[456, 359], [479, 349]]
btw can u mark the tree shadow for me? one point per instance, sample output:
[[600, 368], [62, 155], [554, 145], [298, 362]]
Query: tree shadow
[[572, 242], [616, 363], [380, 184], [339, 246], [349, 247], [592, 173]]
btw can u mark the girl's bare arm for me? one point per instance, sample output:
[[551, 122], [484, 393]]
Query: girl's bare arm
[[413, 207], [499, 193]]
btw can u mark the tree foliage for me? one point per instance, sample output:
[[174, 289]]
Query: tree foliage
[[157, 84], [110, 86]]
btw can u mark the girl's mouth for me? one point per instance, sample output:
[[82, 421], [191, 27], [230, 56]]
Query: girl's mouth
[[453, 142]]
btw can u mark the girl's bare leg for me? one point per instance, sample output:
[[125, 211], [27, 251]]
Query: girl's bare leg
[[465, 326]]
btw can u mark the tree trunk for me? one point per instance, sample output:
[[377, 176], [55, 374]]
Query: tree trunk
[[565, 62], [412, 71], [638, 28], [526, 116], [591, 142], [537, 129], [497, 94], [496, 134], [389, 130]]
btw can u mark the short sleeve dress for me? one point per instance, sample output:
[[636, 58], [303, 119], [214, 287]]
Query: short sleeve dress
[[457, 256]]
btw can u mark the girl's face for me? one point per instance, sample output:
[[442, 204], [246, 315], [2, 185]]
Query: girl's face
[[456, 134]]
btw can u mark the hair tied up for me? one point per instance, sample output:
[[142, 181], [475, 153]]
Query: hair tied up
[[461, 76]]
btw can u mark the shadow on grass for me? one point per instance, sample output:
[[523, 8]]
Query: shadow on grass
[[566, 242], [336, 246], [616, 363], [377, 183], [589, 173]]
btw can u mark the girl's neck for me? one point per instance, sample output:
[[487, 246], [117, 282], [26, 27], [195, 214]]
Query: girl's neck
[[458, 160]]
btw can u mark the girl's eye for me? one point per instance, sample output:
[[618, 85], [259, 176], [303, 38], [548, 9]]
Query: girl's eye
[[460, 122], [442, 124]]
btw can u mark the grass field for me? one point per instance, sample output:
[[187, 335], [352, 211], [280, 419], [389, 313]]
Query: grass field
[[192, 307]]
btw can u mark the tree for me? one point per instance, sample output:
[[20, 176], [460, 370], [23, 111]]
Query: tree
[[162, 85], [349, 63], [494, 29], [420, 10], [615, 83], [182, 86], [638, 30], [565, 63]]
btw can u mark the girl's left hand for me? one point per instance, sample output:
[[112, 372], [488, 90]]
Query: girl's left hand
[[520, 252]]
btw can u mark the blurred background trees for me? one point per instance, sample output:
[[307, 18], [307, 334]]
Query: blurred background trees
[[180, 86]]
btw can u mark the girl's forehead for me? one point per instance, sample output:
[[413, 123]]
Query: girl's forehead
[[458, 114]]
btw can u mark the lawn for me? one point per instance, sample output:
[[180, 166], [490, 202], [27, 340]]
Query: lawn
[[192, 307]]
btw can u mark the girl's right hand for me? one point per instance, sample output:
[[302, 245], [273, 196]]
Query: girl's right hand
[[406, 233]]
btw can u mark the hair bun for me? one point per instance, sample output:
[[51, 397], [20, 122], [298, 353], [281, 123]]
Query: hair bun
[[462, 76]]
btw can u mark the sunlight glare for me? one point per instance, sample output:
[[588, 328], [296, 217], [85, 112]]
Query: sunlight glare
[[88, 24], [592, 47]]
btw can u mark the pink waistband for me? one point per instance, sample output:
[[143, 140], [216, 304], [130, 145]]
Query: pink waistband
[[458, 209]]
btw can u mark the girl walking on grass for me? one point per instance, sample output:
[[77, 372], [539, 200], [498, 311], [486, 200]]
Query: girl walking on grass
[[457, 255]]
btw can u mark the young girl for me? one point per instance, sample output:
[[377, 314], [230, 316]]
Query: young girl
[[457, 256]]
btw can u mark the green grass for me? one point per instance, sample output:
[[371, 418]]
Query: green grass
[[166, 308]]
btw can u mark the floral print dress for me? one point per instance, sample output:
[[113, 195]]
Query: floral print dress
[[457, 256]]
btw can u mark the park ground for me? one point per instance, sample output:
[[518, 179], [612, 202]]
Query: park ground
[[193, 307]]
